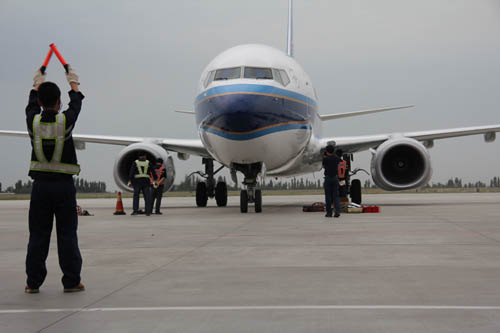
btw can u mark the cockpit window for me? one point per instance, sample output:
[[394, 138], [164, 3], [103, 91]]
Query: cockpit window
[[284, 77], [227, 74], [258, 73], [209, 78]]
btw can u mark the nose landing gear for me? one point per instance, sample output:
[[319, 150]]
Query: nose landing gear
[[251, 194], [209, 188]]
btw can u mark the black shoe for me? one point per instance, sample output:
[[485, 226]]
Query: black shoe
[[134, 213], [159, 213], [336, 215], [147, 214], [328, 215]]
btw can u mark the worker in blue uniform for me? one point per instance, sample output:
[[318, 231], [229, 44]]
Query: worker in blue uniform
[[139, 178], [331, 183], [53, 165]]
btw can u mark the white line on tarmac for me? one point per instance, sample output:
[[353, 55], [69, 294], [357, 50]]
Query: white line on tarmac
[[263, 307]]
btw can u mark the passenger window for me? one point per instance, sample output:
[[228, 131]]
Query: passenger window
[[228, 74], [258, 73], [284, 77]]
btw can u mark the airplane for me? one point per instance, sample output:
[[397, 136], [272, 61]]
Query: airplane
[[257, 113]]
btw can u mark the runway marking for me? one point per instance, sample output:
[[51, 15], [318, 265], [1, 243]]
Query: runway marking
[[261, 307]]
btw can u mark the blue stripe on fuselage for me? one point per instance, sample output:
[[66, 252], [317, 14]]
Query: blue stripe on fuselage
[[246, 111], [255, 134], [254, 88]]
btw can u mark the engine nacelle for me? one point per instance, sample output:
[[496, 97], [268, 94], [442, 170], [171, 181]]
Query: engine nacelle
[[128, 155], [401, 164]]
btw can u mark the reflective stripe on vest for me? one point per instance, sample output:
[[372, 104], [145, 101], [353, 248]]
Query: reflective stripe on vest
[[157, 173], [51, 131], [342, 169], [142, 169]]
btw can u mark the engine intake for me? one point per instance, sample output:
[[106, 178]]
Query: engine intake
[[128, 155], [401, 164]]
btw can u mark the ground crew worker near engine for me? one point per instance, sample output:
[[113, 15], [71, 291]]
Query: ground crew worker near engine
[[331, 184], [158, 177], [139, 177], [342, 173], [53, 164]]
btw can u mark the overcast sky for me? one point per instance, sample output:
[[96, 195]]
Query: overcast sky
[[140, 60]]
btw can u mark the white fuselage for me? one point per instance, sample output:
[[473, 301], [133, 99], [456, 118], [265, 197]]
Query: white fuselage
[[256, 104]]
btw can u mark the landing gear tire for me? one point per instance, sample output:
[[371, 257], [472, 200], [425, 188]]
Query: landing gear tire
[[244, 201], [221, 194], [258, 201], [356, 191], [201, 194]]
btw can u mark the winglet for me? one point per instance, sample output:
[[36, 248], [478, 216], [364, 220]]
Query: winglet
[[361, 113]]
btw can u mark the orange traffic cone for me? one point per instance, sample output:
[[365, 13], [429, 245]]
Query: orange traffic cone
[[119, 205]]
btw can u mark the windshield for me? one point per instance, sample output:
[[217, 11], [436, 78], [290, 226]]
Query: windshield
[[227, 74], [258, 73]]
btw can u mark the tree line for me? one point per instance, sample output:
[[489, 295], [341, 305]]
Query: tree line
[[81, 185], [451, 183]]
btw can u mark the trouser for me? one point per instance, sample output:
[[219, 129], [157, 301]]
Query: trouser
[[49, 198], [157, 194], [331, 186], [144, 187]]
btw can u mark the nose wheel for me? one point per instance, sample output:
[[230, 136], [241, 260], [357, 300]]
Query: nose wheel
[[251, 194], [209, 188]]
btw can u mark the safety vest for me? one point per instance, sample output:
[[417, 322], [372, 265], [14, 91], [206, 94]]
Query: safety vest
[[157, 173], [51, 131], [342, 169], [142, 169]]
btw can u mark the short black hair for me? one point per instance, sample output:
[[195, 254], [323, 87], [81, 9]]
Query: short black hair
[[48, 94], [330, 149], [160, 160], [339, 152]]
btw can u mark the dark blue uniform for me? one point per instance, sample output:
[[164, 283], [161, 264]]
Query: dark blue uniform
[[53, 193], [140, 185], [331, 184]]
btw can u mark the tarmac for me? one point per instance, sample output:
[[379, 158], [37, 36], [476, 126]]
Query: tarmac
[[425, 263]]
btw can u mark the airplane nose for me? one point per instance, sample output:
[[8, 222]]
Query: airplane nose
[[247, 116], [248, 128]]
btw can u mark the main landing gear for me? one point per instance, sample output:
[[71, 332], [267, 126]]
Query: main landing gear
[[354, 185], [251, 194], [209, 188]]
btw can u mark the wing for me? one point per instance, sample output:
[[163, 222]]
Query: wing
[[185, 146], [359, 143]]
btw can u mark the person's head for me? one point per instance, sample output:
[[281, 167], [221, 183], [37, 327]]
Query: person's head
[[159, 161], [142, 157], [49, 96], [339, 153], [330, 149]]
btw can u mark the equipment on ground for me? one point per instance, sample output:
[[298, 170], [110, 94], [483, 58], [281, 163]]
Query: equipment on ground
[[119, 205]]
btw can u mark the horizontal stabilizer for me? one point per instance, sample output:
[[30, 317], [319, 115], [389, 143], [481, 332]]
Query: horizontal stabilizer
[[185, 112], [362, 112]]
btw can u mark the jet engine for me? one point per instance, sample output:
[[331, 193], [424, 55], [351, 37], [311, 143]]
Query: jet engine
[[401, 164], [128, 155]]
